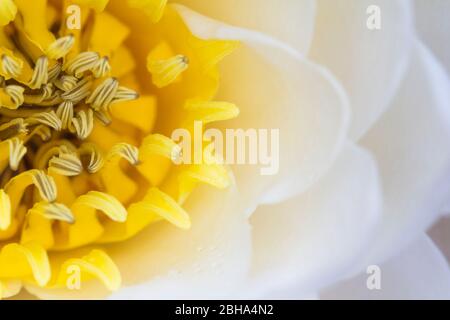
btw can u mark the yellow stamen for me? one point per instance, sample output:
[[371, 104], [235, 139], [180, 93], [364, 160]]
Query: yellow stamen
[[8, 11], [124, 94], [47, 91], [60, 47], [83, 123], [9, 288], [102, 68], [160, 203], [165, 72], [65, 113], [42, 131], [79, 92], [44, 183], [27, 260], [50, 119], [40, 73], [211, 111], [66, 82], [16, 94], [96, 160], [157, 144], [103, 116], [103, 202], [12, 128], [5, 210], [96, 264], [83, 62], [103, 95], [66, 164], [11, 67], [16, 152], [54, 71], [126, 151], [53, 211]]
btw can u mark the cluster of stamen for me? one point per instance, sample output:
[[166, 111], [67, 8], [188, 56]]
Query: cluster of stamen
[[46, 119]]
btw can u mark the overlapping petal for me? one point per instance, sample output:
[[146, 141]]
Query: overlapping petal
[[417, 272], [410, 143], [313, 239], [370, 63], [433, 24], [290, 21], [276, 88], [209, 260]]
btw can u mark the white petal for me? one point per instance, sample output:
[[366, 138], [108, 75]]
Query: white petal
[[440, 234], [433, 23], [411, 145], [207, 261], [370, 63], [276, 88], [311, 241], [418, 272], [291, 21]]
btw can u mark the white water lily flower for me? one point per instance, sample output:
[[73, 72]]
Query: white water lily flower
[[364, 119], [364, 125]]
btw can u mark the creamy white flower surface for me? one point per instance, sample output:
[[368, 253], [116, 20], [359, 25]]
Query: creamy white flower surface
[[364, 119]]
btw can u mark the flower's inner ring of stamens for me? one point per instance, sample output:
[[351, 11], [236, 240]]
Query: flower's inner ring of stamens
[[53, 106]]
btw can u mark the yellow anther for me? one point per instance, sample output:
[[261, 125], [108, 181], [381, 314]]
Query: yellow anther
[[165, 72], [103, 202], [83, 123], [5, 210], [83, 62], [102, 68], [60, 47], [125, 151], [65, 113], [79, 92], [16, 152], [40, 73], [95, 157], [16, 94], [8, 11], [49, 119], [66, 164], [53, 211], [11, 67], [104, 94]]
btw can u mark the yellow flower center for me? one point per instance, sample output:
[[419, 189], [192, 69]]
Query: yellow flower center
[[79, 125]]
